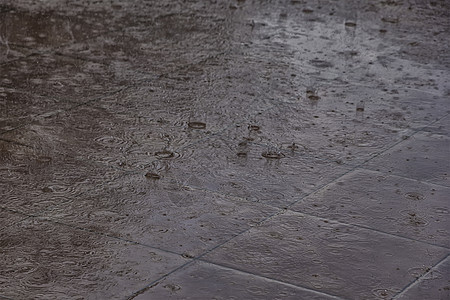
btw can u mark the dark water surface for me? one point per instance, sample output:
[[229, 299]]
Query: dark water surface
[[213, 149]]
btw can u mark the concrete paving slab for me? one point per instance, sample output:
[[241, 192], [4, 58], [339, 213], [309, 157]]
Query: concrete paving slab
[[261, 173], [160, 213], [441, 127], [327, 135], [387, 203], [329, 257], [423, 157], [434, 285], [204, 281], [46, 260], [193, 121]]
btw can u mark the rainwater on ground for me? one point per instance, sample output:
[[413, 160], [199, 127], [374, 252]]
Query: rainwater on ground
[[224, 149]]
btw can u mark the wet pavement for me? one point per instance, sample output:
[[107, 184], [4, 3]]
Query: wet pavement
[[212, 149]]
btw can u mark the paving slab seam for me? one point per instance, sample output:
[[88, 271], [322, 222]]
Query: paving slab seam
[[156, 281], [50, 220], [317, 190], [279, 212], [366, 161], [371, 229], [16, 222], [419, 279], [272, 279], [183, 266], [217, 246], [199, 258], [282, 210], [285, 209], [404, 177], [55, 221]]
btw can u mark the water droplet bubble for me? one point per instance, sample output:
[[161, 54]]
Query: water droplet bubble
[[197, 125]]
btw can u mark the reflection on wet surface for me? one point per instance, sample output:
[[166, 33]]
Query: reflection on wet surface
[[244, 149]]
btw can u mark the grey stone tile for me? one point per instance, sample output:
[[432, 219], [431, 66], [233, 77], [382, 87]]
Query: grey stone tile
[[261, 173], [324, 133], [231, 108], [423, 157], [207, 281], [160, 213], [42, 260], [387, 203], [348, 124], [442, 127], [337, 259], [433, 285]]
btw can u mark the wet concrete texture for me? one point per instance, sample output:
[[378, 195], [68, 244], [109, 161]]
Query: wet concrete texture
[[241, 149]]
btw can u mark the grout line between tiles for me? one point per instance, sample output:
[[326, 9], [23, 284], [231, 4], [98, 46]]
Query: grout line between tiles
[[268, 217], [156, 281], [199, 258], [367, 160], [283, 210], [240, 233], [56, 221], [271, 279], [151, 284], [420, 279], [25, 217], [373, 229], [404, 177]]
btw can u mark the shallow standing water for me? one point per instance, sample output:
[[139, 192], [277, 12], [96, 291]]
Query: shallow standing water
[[242, 149]]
